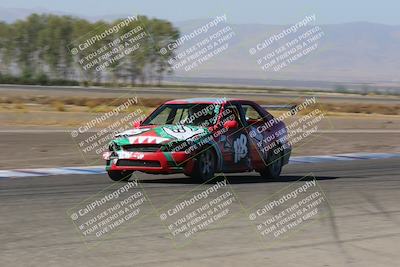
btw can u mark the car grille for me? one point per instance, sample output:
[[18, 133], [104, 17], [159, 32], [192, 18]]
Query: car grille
[[138, 163], [141, 148]]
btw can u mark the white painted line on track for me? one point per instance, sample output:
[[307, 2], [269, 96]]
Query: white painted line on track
[[37, 172]]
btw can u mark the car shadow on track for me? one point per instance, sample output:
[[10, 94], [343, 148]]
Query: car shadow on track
[[240, 179]]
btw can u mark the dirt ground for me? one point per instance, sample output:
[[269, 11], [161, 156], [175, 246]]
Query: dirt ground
[[32, 136]]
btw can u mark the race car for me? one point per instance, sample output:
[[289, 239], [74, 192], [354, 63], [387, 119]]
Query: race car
[[201, 137]]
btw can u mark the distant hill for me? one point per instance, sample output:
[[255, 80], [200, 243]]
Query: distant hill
[[359, 52], [350, 52]]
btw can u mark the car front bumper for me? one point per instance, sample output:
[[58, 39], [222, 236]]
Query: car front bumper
[[150, 162]]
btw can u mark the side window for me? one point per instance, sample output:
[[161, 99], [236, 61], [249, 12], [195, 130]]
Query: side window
[[251, 114], [231, 112]]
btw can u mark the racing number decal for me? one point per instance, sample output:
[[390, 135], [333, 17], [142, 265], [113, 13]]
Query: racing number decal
[[240, 148], [182, 132]]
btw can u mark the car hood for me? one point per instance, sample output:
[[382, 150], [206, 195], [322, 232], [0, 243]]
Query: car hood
[[160, 134]]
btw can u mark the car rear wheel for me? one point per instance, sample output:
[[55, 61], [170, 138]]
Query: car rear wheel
[[204, 169], [120, 175], [274, 166]]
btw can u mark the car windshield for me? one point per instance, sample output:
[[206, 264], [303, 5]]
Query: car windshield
[[184, 114]]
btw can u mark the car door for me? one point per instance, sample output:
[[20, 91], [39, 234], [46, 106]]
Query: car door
[[234, 142], [261, 135]]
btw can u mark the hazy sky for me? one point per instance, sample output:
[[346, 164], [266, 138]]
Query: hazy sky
[[250, 11]]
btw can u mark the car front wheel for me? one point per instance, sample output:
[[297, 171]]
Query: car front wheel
[[204, 169]]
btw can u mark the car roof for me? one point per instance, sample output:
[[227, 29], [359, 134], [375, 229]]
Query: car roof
[[201, 100]]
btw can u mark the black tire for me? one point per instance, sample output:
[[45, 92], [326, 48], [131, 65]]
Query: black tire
[[120, 175], [274, 166], [205, 166]]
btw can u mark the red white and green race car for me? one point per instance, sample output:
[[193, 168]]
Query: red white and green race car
[[200, 137]]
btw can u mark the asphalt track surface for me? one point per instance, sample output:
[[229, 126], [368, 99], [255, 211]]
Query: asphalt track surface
[[361, 228]]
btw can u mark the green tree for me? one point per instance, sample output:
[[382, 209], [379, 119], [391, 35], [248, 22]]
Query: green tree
[[54, 40], [41, 48], [6, 47]]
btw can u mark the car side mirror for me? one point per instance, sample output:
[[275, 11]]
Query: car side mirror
[[231, 124], [136, 124]]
